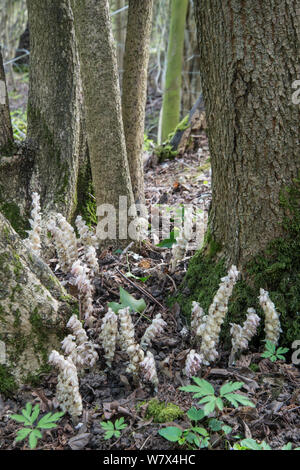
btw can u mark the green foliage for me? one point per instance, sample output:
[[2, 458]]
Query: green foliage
[[19, 124], [113, 429], [168, 242], [206, 392], [161, 412], [127, 300], [29, 418], [148, 144], [165, 152], [274, 354], [7, 381], [195, 435], [251, 444]]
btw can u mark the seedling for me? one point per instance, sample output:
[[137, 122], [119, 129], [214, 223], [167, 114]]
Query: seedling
[[31, 430], [272, 353], [113, 429]]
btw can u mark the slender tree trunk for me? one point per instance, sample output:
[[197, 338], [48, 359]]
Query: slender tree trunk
[[6, 133], [135, 89], [173, 80], [34, 309], [54, 104], [104, 125], [249, 54]]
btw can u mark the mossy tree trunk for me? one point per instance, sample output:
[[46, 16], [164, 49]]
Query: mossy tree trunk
[[104, 125], [134, 91], [54, 104], [173, 79], [249, 54], [34, 309], [6, 133]]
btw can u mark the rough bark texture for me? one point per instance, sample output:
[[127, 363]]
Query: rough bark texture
[[34, 309], [54, 104], [172, 89], [135, 89], [6, 133], [249, 54], [104, 125]]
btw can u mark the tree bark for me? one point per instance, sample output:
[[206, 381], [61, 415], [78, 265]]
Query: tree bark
[[249, 54], [102, 100], [6, 133], [54, 104], [13, 18], [172, 89], [34, 309], [134, 92]]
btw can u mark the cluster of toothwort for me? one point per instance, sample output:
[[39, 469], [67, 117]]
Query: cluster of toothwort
[[65, 242], [86, 236], [123, 334], [82, 351], [272, 322], [241, 335], [207, 327], [34, 240], [67, 390], [81, 279], [182, 240]]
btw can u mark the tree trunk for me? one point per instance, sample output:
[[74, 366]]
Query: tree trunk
[[54, 104], [172, 89], [6, 133], [34, 309], [249, 55], [13, 18], [104, 125], [134, 92]]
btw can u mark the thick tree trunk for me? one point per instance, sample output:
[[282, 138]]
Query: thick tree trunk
[[172, 88], [6, 133], [54, 104], [34, 309], [249, 54], [104, 125], [135, 89]]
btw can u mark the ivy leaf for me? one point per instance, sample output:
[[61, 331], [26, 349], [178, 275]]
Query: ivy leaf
[[171, 433], [115, 306], [129, 301]]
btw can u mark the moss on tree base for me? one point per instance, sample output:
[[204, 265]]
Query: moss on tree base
[[276, 269]]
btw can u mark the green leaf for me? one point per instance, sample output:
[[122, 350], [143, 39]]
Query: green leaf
[[129, 301], [236, 397], [205, 387], [119, 424], [195, 415], [35, 413], [115, 306], [201, 431], [270, 346], [171, 433], [279, 356], [117, 434], [48, 421], [210, 407], [230, 387], [219, 403], [22, 434], [190, 388], [191, 437], [226, 429], [107, 425], [32, 440], [282, 350], [21, 419], [108, 435], [168, 242], [28, 409], [250, 444], [215, 424], [287, 446], [266, 354]]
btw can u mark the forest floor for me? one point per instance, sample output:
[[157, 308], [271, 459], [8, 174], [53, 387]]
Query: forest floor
[[109, 394]]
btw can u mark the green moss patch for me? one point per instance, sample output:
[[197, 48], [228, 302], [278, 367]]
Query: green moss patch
[[163, 413], [7, 381]]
